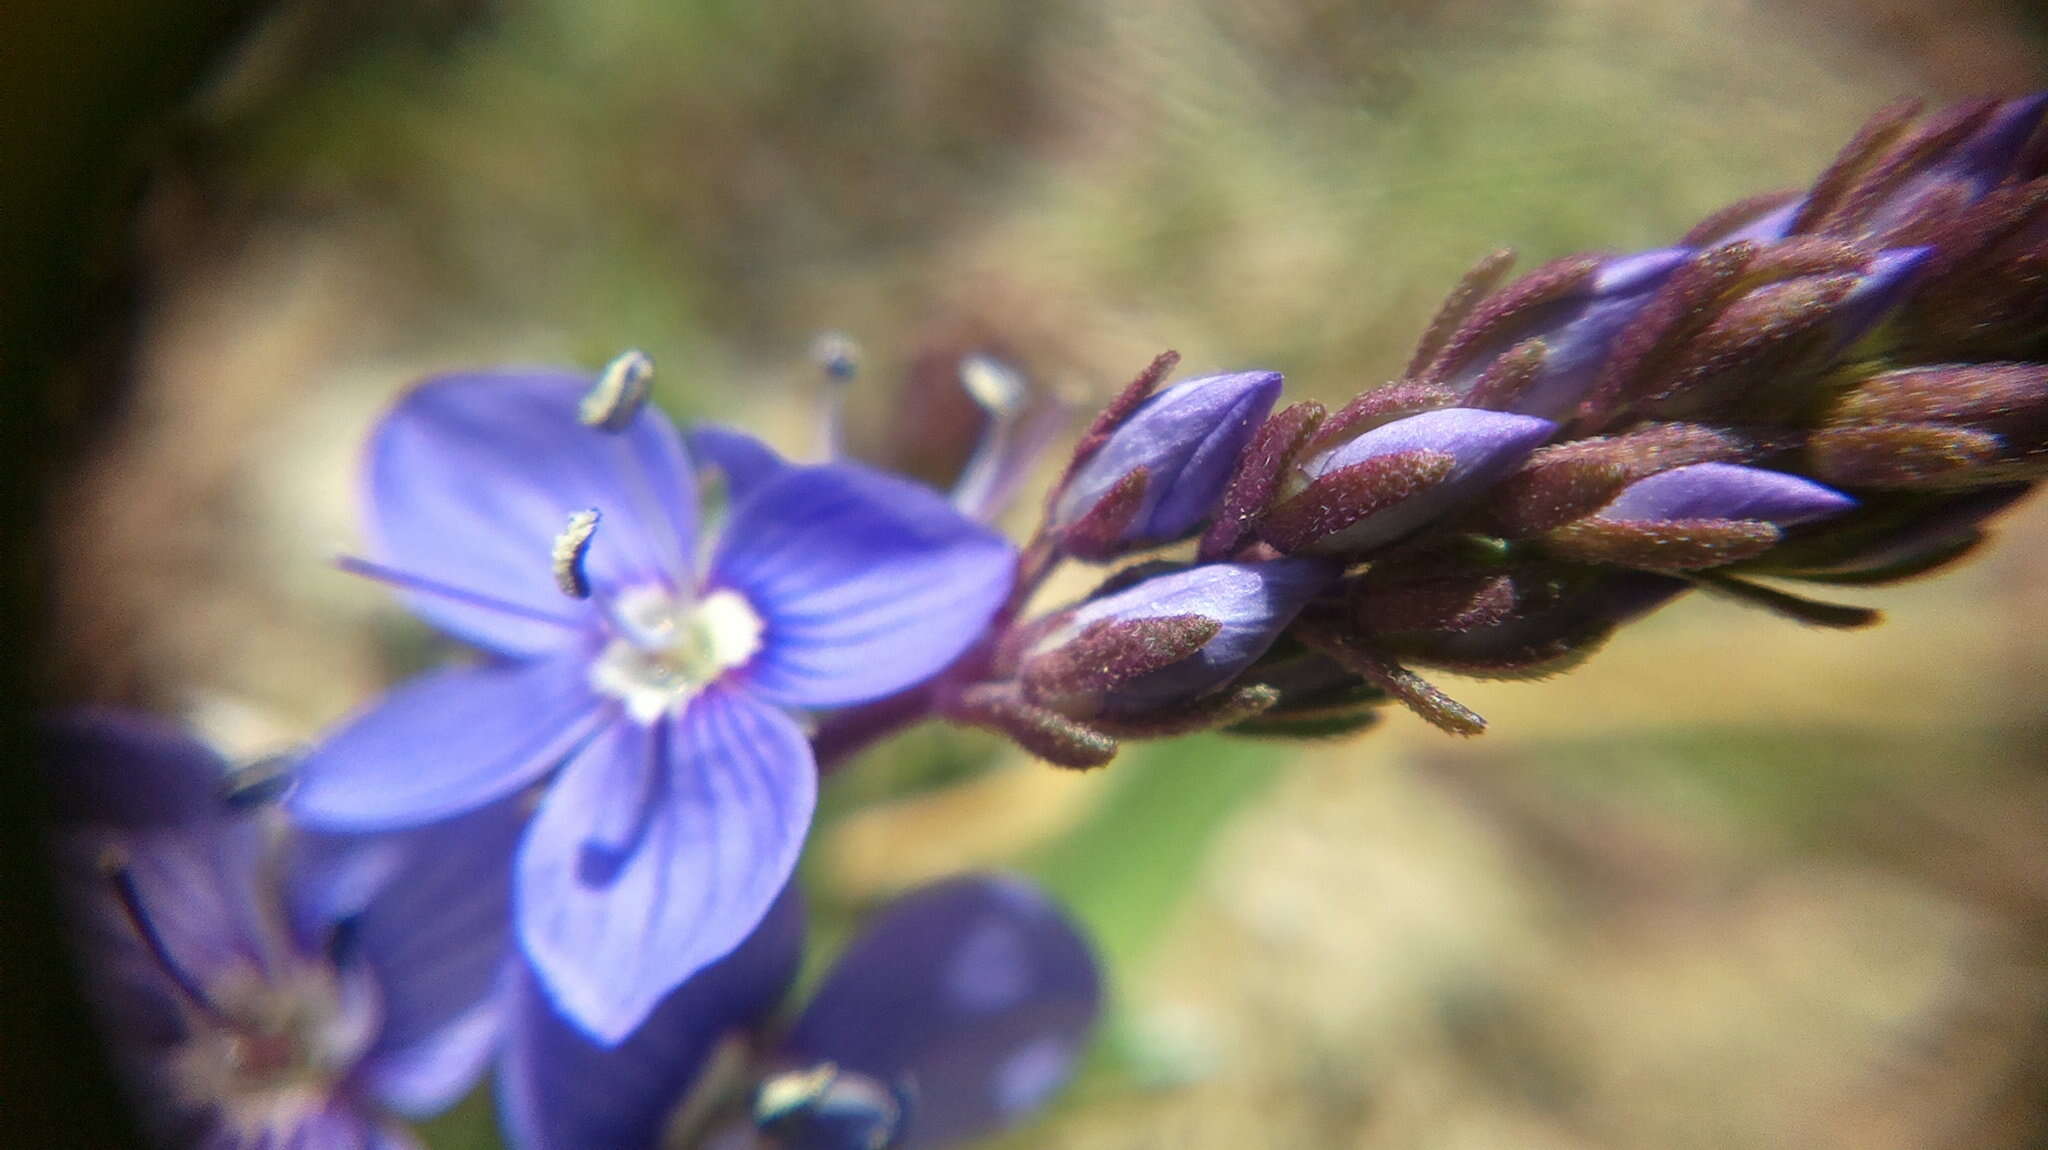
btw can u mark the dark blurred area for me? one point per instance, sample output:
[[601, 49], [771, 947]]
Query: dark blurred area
[[1733, 884]]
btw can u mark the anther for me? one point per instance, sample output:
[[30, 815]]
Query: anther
[[621, 391], [837, 356], [258, 783], [993, 385], [572, 546]]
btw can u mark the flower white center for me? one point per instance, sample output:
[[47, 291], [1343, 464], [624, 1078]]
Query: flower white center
[[667, 651], [275, 1048]]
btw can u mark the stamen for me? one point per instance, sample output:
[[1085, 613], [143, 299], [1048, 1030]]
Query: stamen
[[993, 385], [405, 581], [114, 864], [572, 547], [1001, 455], [259, 783], [621, 391], [838, 357]]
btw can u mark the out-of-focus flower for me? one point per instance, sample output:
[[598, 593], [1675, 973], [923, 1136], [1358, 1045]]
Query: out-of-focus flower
[[661, 687], [1396, 479], [258, 994], [958, 1011], [1157, 475]]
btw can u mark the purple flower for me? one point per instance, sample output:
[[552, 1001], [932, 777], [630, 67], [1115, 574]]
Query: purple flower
[[1397, 478], [1242, 608], [1186, 439], [255, 995], [1725, 491], [956, 1012], [1577, 309], [684, 787]]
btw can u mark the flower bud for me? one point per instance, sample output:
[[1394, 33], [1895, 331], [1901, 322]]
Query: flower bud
[[1702, 515], [1767, 347], [1397, 478], [1165, 641], [1559, 618], [1897, 176], [1894, 536], [1938, 428], [1536, 346], [1181, 446]]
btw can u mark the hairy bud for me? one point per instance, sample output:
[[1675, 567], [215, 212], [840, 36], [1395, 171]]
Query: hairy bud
[[1688, 518], [1936, 428], [1185, 441], [1535, 346], [1397, 478], [1166, 640]]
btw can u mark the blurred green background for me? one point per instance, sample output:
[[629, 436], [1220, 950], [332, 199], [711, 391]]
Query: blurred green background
[[1732, 884]]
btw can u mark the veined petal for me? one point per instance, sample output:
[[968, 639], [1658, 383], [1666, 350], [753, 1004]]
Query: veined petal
[[657, 851], [976, 991], [447, 742], [471, 477], [429, 911], [557, 1088], [866, 583]]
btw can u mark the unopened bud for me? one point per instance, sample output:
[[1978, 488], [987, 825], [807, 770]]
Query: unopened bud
[[1575, 308], [1938, 428], [1704, 515], [1186, 440], [1397, 478], [1167, 640]]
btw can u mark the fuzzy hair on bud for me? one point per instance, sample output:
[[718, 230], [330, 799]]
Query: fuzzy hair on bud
[[1187, 440], [1398, 478]]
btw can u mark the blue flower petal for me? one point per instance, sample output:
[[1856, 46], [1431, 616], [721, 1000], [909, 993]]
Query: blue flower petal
[[977, 991], [657, 851], [557, 1088], [867, 583], [429, 912], [117, 769], [471, 477], [446, 743], [746, 462]]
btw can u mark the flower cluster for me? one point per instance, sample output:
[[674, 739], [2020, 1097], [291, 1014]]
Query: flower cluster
[[1835, 385], [270, 986], [575, 852]]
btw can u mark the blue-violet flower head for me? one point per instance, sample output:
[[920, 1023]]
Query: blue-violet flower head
[[259, 993], [957, 1011], [657, 709]]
